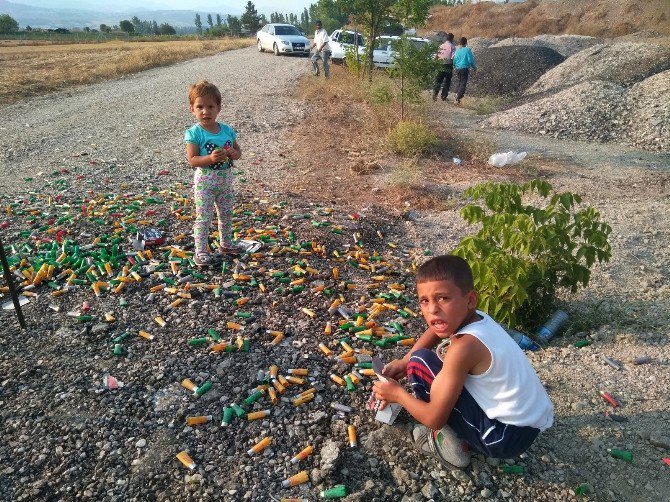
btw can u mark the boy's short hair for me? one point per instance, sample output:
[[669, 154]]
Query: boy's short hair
[[464, 41], [203, 89], [447, 268]]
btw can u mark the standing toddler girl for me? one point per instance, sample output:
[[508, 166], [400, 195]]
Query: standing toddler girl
[[211, 147]]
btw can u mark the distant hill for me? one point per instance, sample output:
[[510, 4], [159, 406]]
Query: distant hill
[[598, 18], [37, 17]]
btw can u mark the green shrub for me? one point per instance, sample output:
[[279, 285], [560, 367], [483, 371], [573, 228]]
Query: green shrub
[[523, 253], [410, 139], [381, 94]]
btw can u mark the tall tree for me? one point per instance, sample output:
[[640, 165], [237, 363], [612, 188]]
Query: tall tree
[[198, 24], [126, 26], [218, 19], [250, 19], [210, 22], [8, 24], [234, 25]]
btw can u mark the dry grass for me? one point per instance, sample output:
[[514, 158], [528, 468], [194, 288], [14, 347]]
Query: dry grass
[[599, 18], [29, 70]]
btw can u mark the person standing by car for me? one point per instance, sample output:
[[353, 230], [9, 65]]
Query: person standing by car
[[321, 40], [446, 55], [463, 61]]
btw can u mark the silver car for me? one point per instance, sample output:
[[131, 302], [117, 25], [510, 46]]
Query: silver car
[[282, 39]]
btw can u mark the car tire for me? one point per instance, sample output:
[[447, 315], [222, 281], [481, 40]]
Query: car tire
[[276, 49], [260, 46]]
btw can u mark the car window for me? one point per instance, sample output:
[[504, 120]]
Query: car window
[[265, 28], [271, 30], [383, 43], [286, 30], [335, 36], [348, 38]]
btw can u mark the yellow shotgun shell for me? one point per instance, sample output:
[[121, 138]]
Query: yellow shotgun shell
[[337, 380], [306, 452], [233, 325], [198, 420], [188, 384], [327, 352], [353, 438], [295, 380], [273, 396], [146, 335], [160, 321], [309, 312], [274, 371], [257, 415], [260, 446], [301, 477], [185, 459], [298, 371]]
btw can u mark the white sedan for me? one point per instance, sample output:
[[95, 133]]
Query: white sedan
[[341, 40], [282, 39], [384, 55]]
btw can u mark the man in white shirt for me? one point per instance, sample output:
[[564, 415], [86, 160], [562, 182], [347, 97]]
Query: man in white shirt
[[443, 80], [321, 40]]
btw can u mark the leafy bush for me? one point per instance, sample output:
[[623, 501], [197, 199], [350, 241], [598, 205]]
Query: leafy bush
[[381, 94], [409, 139], [523, 253], [355, 62]]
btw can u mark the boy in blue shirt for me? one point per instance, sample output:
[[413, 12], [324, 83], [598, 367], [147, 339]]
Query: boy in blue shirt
[[463, 61], [477, 390]]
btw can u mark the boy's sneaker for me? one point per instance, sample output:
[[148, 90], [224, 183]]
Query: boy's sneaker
[[445, 445]]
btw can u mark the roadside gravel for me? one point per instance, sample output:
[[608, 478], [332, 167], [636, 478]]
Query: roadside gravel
[[63, 438]]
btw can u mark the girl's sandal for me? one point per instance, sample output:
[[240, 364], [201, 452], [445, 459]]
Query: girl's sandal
[[202, 260], [231, 250]]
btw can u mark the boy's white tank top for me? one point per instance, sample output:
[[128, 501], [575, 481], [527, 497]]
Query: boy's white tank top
[[510, 389]]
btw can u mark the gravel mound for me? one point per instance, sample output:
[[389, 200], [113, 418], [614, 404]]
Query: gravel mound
[[566, 45], [477, 44], [586, 111], [648, 113], [511, 70], [620, 63]]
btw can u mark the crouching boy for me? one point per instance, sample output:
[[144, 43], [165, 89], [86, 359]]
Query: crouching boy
[[476, 390]]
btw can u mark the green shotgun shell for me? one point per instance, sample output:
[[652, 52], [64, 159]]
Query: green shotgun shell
[[243, 315], [227, 416], [364, 365], [350, 385], [582, 343], [335, 492], [196, 342], [215, 336], [238, 411], [118, 349], [582, 489], [123, 302], [251, 399], [217, 292], [245, 346], [203, 389], [84, 318], [622, 454], [512, 469], [121, 337]]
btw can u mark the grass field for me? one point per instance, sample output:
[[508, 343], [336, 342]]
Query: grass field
[[31, 68]]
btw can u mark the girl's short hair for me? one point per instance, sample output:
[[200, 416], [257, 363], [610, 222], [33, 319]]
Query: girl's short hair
[[447, 268], [204, 89]]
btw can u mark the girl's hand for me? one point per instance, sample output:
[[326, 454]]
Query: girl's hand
[[218, 155], [387, 392], [233, 153]]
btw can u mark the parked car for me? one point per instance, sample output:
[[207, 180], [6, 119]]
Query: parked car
[[282, 39], [341, 40], [384, 55]]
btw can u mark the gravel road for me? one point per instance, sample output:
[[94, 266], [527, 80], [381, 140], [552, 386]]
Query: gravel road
[[64, 438]]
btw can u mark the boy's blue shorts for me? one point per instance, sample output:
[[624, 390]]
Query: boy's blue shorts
[[489, 437]]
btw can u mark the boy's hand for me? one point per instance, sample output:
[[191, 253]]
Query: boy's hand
[[396, 369], [387, 392]]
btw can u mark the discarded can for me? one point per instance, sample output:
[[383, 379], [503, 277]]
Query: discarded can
[[613, 363], [303, 454], [335, 492], [298, 479], [621, 454], [260, 446], [552, 326], [642, 360], [185, 459]]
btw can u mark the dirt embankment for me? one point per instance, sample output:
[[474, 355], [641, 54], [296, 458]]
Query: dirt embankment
[[599, 18]]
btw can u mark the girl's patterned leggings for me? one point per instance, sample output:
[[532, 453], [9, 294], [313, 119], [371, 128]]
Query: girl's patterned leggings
[[213, 189]]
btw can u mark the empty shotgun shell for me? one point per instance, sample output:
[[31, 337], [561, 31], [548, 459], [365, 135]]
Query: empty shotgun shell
[[607, 397], [227, 416], [260, 446], [337, 380], [336, 492], [303, 454], [203, 389], [295, 380], [301, 477], [341, 407], [278, 386], [614, 364], [238, 411], [188, 384], [274, 371], [252, 398], [257, 415], [353, 438], [273, 396], [303, 399], [350, 385], [326, 351], [146, 335], [198, 420], [298, 371], [185, 459]]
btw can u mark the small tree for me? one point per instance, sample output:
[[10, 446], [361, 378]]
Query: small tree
[[104, 28], [250, 19], [218, 20], [234, 25], [198, 24], [166, 29], [8, 24], [210, 22], [524, 252], [126, 26]]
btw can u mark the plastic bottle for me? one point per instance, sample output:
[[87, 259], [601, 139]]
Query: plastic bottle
[[552, 326], [522, 340]]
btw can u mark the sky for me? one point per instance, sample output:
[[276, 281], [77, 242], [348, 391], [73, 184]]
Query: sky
[[262, 6]]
